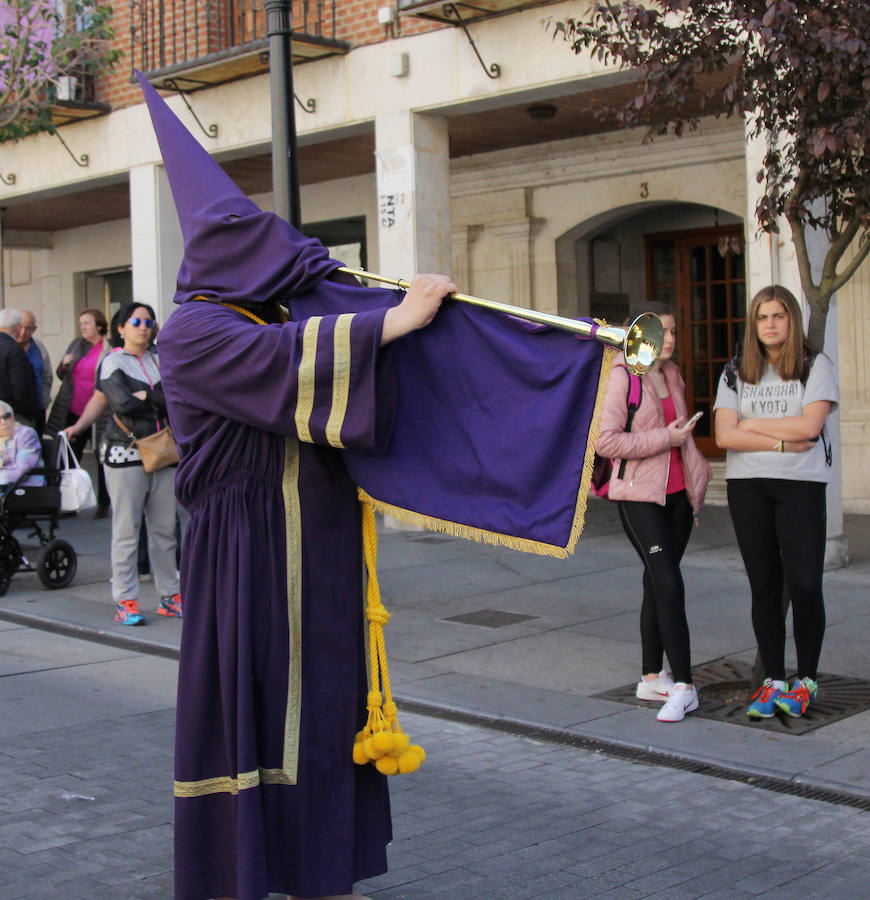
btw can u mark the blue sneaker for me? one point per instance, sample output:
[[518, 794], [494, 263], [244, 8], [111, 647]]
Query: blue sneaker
[[796, 701], [127, 613], [763, 704]]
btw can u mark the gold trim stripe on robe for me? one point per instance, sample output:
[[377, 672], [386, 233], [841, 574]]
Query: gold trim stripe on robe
[[287, 774]]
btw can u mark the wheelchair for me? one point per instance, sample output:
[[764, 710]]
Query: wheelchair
[[37, 508]]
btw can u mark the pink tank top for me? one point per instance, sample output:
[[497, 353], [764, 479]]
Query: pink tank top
[[84, 378], [675, 472]]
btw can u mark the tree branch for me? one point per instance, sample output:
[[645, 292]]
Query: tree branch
[[852, 268], [799, 238], [838, 247]]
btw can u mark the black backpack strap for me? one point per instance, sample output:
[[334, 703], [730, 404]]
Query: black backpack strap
[[732, 367]]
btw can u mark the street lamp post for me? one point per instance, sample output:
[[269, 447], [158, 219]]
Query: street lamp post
[[285, 172]]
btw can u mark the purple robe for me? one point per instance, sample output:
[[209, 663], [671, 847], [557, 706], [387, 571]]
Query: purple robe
[[494, 429], [272, 673]]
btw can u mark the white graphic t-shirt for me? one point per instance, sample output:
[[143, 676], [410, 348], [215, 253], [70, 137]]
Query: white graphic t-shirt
[[773, 398]]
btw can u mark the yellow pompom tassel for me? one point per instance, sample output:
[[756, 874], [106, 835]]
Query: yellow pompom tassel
[[382, 742]]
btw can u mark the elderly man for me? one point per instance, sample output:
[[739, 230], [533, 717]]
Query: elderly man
[[17, 378], [35, 351]]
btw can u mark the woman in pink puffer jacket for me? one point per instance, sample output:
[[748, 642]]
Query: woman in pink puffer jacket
[[659, 480]]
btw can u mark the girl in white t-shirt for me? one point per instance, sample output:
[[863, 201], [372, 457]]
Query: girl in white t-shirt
[[770, 414]]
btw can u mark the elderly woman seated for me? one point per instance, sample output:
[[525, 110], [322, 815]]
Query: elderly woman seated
[[20, 449]]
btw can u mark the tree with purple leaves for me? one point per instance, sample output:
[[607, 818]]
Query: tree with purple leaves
[[797, 70], [42, 42]]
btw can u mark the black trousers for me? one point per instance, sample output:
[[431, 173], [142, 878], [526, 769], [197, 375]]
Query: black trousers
[[780, 527], [660, 534]]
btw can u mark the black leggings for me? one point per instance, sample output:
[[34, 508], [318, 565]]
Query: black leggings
[[780, 527], [660, 535]]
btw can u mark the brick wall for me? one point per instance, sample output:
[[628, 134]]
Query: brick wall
[[186, 36]]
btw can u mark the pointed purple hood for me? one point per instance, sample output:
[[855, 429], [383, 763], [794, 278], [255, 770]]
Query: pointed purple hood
[[233, 251]]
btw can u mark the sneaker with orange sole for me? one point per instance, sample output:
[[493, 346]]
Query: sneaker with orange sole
[[170, 606], [127, 613]]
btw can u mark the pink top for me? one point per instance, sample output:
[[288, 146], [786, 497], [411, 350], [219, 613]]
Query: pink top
[[84, 379], [675, 471]]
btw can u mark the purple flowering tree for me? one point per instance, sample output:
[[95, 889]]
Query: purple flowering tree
[[41, 42], [797, 70]]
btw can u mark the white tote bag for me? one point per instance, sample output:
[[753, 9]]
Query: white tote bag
[[76, 489]]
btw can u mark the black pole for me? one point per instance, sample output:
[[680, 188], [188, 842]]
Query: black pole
[[285, 173]]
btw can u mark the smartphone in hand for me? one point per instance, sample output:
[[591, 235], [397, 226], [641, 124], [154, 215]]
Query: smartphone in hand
[[695, 418]]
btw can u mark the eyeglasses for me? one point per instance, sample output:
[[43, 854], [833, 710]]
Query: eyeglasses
[[6, 417], [136, 322]]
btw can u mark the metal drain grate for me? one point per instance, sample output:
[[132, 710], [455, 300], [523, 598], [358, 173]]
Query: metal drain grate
[[490, 618], [723, 692]]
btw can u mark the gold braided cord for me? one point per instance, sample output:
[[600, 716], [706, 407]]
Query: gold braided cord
[[239, 309], [382, 741]]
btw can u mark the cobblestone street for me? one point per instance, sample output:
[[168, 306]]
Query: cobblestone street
[[85, 750]]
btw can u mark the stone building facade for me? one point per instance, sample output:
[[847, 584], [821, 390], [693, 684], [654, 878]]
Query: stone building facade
[[424, 145]]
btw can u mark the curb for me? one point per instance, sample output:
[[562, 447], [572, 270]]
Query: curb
[[631, 752]]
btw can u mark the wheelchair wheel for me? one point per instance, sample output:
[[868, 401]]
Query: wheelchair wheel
[[10, 559], [57, 564]]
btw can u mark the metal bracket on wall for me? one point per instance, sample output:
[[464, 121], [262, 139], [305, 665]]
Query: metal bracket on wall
[[495, 69], [172, 85], [309, 106], [9, 180], [83, 160]]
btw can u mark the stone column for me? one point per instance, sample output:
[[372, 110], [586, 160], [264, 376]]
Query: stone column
[[413, 182], [516, 239], [836, 545], [413, 179], [155, 238], [459, 270]]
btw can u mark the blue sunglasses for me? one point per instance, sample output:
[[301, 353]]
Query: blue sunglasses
[[135, 321]]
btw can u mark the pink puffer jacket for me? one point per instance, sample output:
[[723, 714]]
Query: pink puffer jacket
[[646, 448]]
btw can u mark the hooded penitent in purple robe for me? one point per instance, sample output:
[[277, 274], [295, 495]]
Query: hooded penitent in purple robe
[[482, 428]]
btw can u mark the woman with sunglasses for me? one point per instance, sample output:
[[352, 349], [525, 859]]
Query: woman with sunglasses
[[20, 449], [129, 383]]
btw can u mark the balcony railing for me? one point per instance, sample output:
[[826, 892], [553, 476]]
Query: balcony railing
[[219, 40]]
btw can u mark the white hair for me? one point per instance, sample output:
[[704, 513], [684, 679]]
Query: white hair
[[9, 319], [5, 408]]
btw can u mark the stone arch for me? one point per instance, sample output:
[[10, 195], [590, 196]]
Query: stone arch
[[600, 262]]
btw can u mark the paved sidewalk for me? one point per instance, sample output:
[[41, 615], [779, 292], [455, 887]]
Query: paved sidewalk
[[86, 812], [542, 671]]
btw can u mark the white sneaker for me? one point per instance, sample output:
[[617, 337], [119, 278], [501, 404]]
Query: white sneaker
[[682, 699], [655, 690]]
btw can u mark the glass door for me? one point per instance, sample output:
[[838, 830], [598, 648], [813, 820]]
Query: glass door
[[701, 275]]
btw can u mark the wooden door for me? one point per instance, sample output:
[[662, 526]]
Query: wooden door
[[701, 275]]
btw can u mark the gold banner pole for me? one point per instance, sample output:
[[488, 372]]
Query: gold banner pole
[[641, 342]]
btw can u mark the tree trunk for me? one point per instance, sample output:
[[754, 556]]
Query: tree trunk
[[819, 306]]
